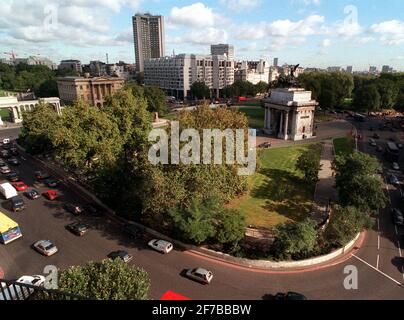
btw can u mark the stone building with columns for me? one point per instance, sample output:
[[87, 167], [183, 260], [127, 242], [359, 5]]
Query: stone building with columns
[[91, 90], [289, 114], [17, 107]]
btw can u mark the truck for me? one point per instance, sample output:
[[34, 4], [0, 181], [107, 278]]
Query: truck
[[8, 191]]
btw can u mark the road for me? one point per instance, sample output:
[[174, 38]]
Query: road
[[46, 220]]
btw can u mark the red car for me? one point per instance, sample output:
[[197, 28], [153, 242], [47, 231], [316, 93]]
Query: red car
[[20, 186], [51, 195]]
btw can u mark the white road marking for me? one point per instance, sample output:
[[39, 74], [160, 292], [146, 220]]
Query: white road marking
[[399, 248], [378, 242], [378, 224], [382, 273], [395, 227], [377, 262]]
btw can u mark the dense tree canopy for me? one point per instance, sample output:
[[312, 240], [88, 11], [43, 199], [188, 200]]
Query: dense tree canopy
[[155, 97], [106, 280], [200, 90]]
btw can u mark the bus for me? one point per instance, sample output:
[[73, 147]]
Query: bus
[[392, 152], [9, 229]]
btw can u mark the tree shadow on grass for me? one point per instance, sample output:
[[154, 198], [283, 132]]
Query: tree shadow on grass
[[285, 193]]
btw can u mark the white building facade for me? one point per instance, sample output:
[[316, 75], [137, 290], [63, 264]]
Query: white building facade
[[253, 71], [176, 74], [18, 107]]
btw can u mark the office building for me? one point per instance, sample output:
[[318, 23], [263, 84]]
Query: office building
[[98, 68], [387, 69], [149, 38], [176, 74], [35, 61], [74, 65], [91, 90], [222, 49], [349, 69], [334, 69], [276, 61], [252, 71]]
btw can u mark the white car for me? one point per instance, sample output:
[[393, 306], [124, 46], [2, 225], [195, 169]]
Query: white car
[[201, 275], [396, 166], [5, 170], [161, 246], [15, 292], [45, 247], [6, 141]]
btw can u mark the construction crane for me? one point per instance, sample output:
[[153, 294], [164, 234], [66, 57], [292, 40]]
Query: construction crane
[[12, 54]]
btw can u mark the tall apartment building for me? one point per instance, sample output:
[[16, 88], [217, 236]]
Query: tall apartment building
[[387, 69], [72, 65], [148, 35], [90, 90], [276, 62], [349, 69], [252, 71], [176, 74], [222, 49]]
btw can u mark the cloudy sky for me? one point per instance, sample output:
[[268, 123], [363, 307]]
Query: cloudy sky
[[311, 32]]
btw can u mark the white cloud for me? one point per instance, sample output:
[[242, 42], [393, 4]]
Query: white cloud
[[390, 32], [241, 5], [196, 15], [326, 43]]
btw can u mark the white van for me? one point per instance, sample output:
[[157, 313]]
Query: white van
[[8, 191], [16, 292]]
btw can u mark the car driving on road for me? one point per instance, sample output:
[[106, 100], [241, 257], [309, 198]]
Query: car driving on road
[[79, 229], [120, 254], [45, 247], [161, 246], [201, 275], [397, 217]]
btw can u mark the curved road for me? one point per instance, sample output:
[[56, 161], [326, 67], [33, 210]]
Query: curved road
[[46, 220]]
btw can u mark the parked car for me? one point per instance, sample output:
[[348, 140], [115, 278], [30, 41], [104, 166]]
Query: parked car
[[5, 154], [120, 254], [33, 194], [37, 280], [45, 247], [73, 208], [161, 246], [265, 145], [2, 163], [379, 149], [14, 151], [51, 183], [13, 161], [78, 229], [392, 179], [5, 170], [93, 210], [400, 146], [17, 203], [40, 175], [372, 142], [51, 195], [13, 177], [290, 296], [376, 136], [397, 217], [20, 186], [15, 292], [201, 275], [395, 166]]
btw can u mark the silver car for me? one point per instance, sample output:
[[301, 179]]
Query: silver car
[[45, 247], [201, 275], [5, 170], [161, 246]]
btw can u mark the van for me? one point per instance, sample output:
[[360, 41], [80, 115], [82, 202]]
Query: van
[[8, 191], [17, 203]]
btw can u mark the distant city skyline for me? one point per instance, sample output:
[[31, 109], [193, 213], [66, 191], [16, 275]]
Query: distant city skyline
[[314, 33]]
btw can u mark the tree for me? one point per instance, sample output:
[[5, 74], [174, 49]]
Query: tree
[[47, 89], [367, 98], [194, 221], [86, 138], [231, 226], [261, 87], [400, 103], [345, 224], [38, 127], [156, 100], [356, 182], [295, 240], [106, 280], [388, 91], [309, 164], [140, 78], [200, 90]]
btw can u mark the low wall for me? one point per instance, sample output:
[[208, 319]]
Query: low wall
[[258, 264]]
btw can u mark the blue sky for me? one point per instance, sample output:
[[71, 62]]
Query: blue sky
[[311, 32]]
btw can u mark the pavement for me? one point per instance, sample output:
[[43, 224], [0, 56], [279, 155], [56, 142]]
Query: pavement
[[46, 220]]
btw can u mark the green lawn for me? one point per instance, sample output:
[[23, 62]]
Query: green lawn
[[344, 146], [277, 192], [5, 114], [256, 116], [321, 117]]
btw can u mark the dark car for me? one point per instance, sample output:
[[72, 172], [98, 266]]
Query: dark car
[[93, 210], [33, 194], [265, 145], [13, 161], [379, 149], [393, 179], [17, 203], [397, 217], [5, 154], [73, 208], [376, 136], [14, 151], [2, 163], [290, 296], [51, 183], [40, 175], [78, 229], [13, 177], [120, 254]]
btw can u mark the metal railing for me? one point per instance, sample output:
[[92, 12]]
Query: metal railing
[[14, 291]]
